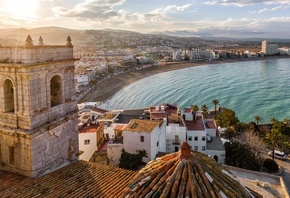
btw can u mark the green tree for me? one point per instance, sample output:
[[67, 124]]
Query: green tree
[[230, 134], [239, 155], [286, 121], [132, 161], [274, 137], [194, 107], [282, 127], [273, 120], [204, 110], [215, 102], [258, 119], [227, 118]]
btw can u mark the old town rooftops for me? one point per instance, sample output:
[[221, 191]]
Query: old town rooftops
[[81, 179], [186, 174]]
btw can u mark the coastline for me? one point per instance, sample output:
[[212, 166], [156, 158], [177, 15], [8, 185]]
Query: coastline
[[107, 88]]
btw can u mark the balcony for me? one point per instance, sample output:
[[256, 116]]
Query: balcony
[[176, 141]]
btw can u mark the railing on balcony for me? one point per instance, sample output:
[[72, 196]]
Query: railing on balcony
[[176, 141]]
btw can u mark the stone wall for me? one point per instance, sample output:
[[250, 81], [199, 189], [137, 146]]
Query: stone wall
[[114, 152], [42, 150], [35, 54]]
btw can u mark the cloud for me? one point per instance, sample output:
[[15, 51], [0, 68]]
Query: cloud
[[96, 12], [91, 10], [242, 3], [277, 8]]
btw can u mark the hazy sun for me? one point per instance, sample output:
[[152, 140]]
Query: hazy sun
[[21, 8]]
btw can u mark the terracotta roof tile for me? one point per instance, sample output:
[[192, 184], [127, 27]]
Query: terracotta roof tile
[[185, 174], [136, 125], [81, 179]]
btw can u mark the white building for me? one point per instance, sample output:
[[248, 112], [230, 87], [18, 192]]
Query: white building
[[82, 79], [284, 50], [202, 135], [90, 139], [269, 49], [144, 135]]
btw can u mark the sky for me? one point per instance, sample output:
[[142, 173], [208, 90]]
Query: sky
[[221, 18]]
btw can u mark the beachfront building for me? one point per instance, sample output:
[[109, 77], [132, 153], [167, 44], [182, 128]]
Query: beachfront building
[[148, 135], [284, 50], [194, 54], [269, 49]]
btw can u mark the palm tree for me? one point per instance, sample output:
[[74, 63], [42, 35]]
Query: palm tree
[[194, 107], [215, 102], [274, 136], [258, 119], [204, 110], [274, 120], [286, 121]]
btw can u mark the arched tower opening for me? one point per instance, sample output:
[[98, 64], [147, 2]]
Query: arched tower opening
[[56, 90], [8, 96]]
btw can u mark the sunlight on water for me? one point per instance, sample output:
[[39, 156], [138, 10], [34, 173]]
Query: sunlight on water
[[249, 88]]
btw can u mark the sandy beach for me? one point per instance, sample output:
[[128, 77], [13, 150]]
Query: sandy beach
[[105, 89]]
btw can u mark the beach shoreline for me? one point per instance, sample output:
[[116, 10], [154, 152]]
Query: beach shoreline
[[107, 88]]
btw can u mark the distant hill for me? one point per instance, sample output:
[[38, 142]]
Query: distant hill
[[50, 35]]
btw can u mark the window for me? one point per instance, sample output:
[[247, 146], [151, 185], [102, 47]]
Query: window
[[203, 138], [11, 155], [196, 138], [8, 96], [189, 138], [87, 142], [141, 138], [176, 138], [157, 143], [195, 148], [203, 148], [56, 90]]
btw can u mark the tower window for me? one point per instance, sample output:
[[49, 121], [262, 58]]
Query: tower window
[[8, 96], [56, 90], [11, 155]]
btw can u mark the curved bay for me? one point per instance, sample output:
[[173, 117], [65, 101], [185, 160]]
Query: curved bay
[[249, 88]]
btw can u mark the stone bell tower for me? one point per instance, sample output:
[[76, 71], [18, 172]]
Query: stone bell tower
[[38, 118]]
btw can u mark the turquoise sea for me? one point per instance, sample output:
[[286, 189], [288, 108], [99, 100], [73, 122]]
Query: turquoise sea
[[249, 88]]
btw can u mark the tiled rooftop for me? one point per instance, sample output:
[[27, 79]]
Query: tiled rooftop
[[81, 179], [185, 174], [210, 124], [195, 125], [142, 125], [92, 128]]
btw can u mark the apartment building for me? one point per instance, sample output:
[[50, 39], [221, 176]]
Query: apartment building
[[269, 49]]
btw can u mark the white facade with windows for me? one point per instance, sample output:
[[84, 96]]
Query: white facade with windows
[[144, 135], [197, 139], [175, 136], [87, 144]]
